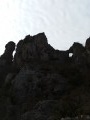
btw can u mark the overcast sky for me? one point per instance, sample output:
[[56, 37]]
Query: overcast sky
[[63, 21]]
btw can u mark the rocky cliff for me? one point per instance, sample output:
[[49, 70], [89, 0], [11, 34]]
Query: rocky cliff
[[41, 83]]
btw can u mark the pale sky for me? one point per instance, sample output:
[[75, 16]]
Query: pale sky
[[63, 21]]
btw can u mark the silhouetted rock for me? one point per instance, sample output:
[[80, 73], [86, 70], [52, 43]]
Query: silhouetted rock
[[87, 46], [7, 57], [6, 61], [37, 48], [78, 51], [31, 48], [41, 83]]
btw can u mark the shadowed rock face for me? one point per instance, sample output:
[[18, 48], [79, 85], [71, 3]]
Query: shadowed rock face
[[36, 48], [41, 83], [32, 47], [78, 53], [7, 56], [87, 45], [6, 61]]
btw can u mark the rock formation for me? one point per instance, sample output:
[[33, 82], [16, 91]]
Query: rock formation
[[7, 56], [87, 45], [31, 48], [37, 48], [78, 53], [6, 60], [41, 83]]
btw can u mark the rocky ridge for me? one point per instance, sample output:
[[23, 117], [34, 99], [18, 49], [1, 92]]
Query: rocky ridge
[[41, 83]]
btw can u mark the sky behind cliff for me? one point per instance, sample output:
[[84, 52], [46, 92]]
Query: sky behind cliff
[[63, 21]]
